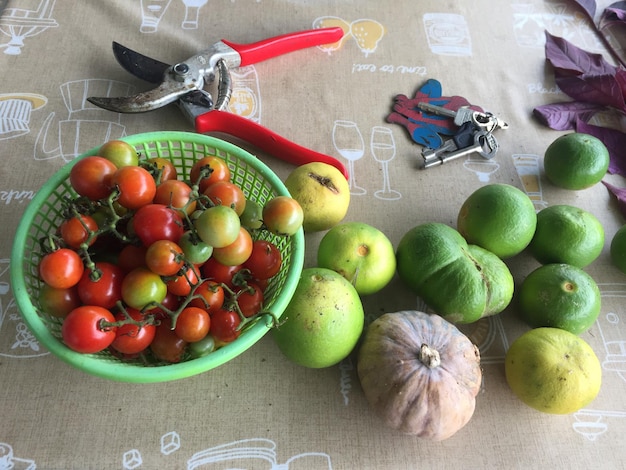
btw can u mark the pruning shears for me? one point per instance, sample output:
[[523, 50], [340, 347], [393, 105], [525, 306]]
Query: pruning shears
[[189, 84]]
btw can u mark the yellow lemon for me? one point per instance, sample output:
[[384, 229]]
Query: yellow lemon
[[553, 371], [567, 234], [559, 296], [499, 218], [576, 161]]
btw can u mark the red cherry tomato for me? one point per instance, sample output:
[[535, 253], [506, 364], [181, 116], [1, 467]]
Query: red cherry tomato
[[154, 222], [82, 329], [218, 226], [104, 291], [91, 177], [237, 252], [182, 283], [131, 257], [165, 169], [215, 271], [176, 194], [210, 296], [141, 287], [224, 325], [250, 299], [265, 260], [119, 152], [131, 338], [166, 345], [226, 193], [170, 302], [58, 302], [196, 251], [283, 215], [192, 324], [219, 171], [61, 268], [136, 186], [76, 230], [164, 257]]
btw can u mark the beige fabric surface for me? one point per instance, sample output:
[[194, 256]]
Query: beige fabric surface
[[259, 406]]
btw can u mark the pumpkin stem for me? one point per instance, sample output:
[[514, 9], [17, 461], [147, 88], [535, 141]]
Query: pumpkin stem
[[429, 356]]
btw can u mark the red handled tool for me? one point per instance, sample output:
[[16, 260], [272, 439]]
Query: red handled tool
[[187, 83]]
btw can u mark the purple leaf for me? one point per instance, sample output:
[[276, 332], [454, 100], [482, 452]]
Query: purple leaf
[[615, 142], [563, 116], [600, 89], [589, 6], [620, 194], [572, 60], [614, 13]]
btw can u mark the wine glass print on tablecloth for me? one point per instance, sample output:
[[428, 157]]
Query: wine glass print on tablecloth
[[348, 141], [383, 147]]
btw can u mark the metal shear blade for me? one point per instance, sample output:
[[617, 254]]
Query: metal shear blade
[[187, 84]]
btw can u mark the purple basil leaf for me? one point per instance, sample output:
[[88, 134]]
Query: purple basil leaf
[[573, 60], [589, 6], [600, 89], [615, 12], [615, 142], [563, 116], [620, 194]]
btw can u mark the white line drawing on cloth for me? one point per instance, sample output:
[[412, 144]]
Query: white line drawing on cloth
[[245, 99], [21, 23], [383, 147], [527, 167], [613, 329], [169, 443], [367, 33], [151, 13], [16, 340], [15, 113], [483, 168], [192, 13], [531, 22], [590, 423], [346, 372], [447, 34], [97, 125], [245, 454], [348, 141], [254, 454], [9, 462], [489, 335]]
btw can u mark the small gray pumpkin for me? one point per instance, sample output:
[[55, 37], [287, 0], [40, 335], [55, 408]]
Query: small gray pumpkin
[[419, 373]]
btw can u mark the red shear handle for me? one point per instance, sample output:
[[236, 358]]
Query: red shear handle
[[279, 45], [263, 138]]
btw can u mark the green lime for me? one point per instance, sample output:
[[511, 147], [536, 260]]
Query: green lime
[[618, 249], [567, 234], [553, 371], [576, 161], [498, 217], [323, 321], [460, 282], [559, 296]]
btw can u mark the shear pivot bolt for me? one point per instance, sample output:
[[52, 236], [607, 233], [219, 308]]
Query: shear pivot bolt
[[181, 69]]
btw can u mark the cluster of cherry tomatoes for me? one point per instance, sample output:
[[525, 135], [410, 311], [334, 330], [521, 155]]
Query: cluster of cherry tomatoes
[[154, 264]]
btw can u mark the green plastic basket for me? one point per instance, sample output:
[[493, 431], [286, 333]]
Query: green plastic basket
[[43, 215]]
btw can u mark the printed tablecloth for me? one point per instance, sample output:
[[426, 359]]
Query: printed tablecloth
[[259, 410]]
